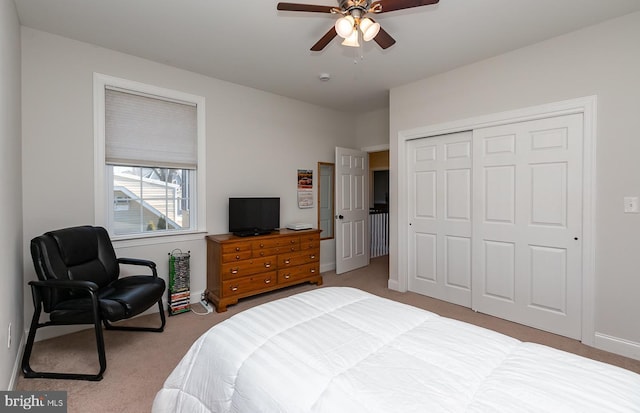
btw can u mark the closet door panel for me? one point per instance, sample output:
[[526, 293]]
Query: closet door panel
[[439, 180], [527, 227]]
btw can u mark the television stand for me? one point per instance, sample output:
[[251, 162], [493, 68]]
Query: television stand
[[239, 267]]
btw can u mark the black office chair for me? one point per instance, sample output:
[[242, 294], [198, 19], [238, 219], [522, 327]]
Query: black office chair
[[79, 283]]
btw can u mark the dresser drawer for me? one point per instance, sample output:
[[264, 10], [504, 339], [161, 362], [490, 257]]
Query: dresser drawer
[[248, 284], [295, 273], [236, 256], [248, 267], [298, 258], [264, 252], [275, 242], [308, 242], [236, 247]]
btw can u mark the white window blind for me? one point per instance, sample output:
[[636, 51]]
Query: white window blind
[[147, 131]]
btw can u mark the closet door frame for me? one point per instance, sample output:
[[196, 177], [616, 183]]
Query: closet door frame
[[587, 106]]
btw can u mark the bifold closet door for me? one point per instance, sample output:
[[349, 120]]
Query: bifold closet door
[[527, 220], [439, 202]]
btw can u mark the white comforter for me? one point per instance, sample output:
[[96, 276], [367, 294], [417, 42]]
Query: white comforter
[[343, 350]]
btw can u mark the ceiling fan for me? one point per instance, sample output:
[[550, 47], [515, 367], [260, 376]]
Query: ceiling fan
[[354, 18]]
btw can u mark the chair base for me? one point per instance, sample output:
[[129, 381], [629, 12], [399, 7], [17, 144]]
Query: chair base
[[63, 376], [29, 373]]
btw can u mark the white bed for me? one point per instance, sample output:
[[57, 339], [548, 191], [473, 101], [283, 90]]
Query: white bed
[[344, 350]]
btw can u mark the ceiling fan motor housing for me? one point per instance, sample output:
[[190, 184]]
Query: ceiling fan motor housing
[[349, 5]]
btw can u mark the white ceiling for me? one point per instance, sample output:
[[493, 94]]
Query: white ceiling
[[250, 43]]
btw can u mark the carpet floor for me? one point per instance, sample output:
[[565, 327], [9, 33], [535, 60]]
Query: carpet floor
[[139, 362]]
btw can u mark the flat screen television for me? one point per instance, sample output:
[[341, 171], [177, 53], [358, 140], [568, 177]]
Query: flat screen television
[[253, 216]]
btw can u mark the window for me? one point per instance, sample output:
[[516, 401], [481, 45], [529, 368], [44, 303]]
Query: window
[[150, 199], [149, 147]]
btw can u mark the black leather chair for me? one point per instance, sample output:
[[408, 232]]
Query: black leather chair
[[78, 283]]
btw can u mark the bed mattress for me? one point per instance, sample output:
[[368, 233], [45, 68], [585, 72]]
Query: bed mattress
[[340, 349]]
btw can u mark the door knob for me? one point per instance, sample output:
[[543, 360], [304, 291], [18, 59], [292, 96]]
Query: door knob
[[339, 216]]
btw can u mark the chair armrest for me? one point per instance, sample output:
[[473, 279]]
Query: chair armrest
[[37, 288], [66, 284], [138, 261]]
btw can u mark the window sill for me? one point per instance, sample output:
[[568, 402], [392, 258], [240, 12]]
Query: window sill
[[137, 240]]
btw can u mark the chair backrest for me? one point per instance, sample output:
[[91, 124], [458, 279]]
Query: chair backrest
[[77, 253]]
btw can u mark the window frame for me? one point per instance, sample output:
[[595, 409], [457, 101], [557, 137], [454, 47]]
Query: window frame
[[103, 187]]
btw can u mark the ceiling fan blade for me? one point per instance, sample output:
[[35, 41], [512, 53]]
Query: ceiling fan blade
[[384, 39], [393, 5], [324, 41], [304, 7]]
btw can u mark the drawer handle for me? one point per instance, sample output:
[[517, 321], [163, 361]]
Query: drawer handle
[[287, 261], [267, 265], [262, 253], [237, 257], [237, 249], [234, 287], [261, 245], [292, 241], [267, 280], [235, 270], [287, 276], [293, 248], [313, 270], [313, 257]]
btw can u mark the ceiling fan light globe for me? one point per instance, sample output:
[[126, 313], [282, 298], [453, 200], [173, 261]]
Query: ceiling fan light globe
[[344, 26], [352, 40], [369, 29]]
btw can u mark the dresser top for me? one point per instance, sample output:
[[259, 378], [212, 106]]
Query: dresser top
[[277, 233]]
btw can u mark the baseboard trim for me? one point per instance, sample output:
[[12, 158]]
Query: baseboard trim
[[617, 345], [327, 267], [17, 364], [393, 285]]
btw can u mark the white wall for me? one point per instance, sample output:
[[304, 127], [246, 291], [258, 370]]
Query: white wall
[[11, 204], [602, 60], [372, 129], [256, 141]]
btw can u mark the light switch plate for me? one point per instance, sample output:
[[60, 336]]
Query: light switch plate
[[631, 205]]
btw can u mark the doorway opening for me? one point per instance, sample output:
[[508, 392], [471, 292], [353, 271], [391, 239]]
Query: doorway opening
[[379, 203]]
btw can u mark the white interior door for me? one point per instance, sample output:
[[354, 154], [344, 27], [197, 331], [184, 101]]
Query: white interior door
[[439, 182], [527, 223], [352, 210]]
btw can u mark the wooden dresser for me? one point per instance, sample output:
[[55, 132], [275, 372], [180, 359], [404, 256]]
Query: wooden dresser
[[240, 267]]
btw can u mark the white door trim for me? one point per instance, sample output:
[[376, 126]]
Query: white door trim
[[585, 105]]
